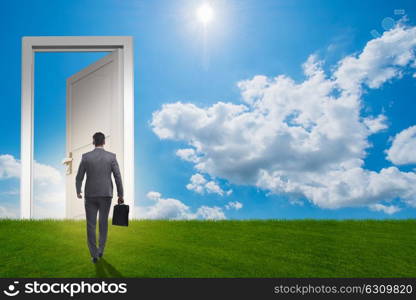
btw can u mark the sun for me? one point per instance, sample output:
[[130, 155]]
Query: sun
[[205, 13]]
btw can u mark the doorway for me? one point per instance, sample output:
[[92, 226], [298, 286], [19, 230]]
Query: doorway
[[99, 98]]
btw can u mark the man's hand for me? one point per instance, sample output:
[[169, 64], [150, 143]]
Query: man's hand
[[120, 200], [79, 196]]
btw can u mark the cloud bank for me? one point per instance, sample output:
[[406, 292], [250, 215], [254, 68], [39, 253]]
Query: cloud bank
[[173, 209], [305, 139], [234, 205], [49, 189], [200, 185], [403, 148]]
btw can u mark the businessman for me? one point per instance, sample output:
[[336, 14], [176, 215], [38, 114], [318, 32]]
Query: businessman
[[98, 164]]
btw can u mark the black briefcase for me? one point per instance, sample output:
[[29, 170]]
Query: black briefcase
[[121, 215]]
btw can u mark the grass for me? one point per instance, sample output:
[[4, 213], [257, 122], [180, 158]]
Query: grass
[[255, 248]]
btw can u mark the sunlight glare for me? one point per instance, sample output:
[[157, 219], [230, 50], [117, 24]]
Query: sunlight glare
[[205, 13]]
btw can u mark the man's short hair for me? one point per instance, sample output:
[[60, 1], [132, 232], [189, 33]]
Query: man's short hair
[[98, 139]]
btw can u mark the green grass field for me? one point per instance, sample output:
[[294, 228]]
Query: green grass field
[[272, 248]]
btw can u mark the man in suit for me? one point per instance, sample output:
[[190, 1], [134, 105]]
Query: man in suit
[[98, 164]]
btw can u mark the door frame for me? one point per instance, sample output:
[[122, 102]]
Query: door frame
[[32, 44]]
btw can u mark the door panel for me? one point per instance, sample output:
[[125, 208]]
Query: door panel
[[94, 103]]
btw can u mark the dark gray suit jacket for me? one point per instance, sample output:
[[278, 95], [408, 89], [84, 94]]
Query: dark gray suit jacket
[[99, 164]]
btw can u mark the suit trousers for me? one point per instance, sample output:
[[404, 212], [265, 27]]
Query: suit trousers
[[92, 206]]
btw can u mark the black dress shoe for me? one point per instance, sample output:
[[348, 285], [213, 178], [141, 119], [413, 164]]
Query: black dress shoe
[[100, 255], [94, 260]]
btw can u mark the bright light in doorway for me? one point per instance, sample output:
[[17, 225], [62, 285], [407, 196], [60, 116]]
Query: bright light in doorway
[[205, 13]]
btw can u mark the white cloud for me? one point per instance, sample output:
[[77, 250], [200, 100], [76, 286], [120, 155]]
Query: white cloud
[[386, 209], [211, 213], [168, 209], [381, 60], [348, 186], [197, 183], [213, 187], [52, 195], [200, 185], [304, 139], [154, 195], [376, 124], [43, 174], [174, 209], [9, 167], [188, 154], [49, 186], [51, 210], [234, 205], [8, 212], [403, 148], [46, 175]]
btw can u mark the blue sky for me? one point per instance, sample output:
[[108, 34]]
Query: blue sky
[[174, 63]]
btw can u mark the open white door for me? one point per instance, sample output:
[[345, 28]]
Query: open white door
[[94, 103]]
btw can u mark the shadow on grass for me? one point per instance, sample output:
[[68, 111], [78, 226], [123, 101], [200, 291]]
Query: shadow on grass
[[104, 269]]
